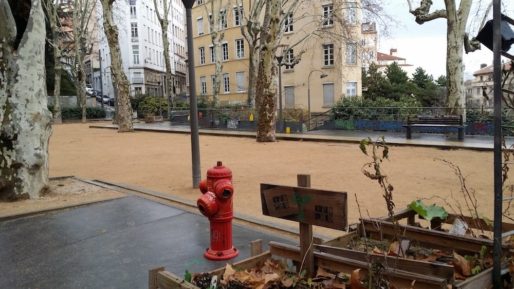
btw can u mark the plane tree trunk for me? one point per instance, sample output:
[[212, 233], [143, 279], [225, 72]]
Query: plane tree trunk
[[25, 122]]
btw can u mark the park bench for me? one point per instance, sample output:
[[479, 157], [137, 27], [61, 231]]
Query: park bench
[[445, 122], [179, 116]]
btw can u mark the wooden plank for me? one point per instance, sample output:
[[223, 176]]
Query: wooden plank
[[168, 280], [347, 265], [312, 206], [246, 263], [424, 268], [306, 236], [435, 239], [482, 280], [255, 247], [152, 277], [341, 241]]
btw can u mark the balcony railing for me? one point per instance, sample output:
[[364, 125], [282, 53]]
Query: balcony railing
[[137, 80]]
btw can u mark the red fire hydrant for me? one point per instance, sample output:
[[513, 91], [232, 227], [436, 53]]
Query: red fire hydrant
[[216, 204]]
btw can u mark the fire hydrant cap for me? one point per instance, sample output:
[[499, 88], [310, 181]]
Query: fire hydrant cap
[[219, 172], [207, 204]]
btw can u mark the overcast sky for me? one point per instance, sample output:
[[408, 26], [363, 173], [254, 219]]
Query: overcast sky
[[425, 45]]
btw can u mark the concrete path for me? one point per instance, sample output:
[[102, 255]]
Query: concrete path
[[418, 139], [111, 244]]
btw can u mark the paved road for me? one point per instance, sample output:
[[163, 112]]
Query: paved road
[[111, 244]]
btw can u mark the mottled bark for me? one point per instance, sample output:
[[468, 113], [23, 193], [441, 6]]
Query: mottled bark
[[24, 118], [164, 22], [456, 20], [55, 42], [217, 34], [120, 81], [266, 88]]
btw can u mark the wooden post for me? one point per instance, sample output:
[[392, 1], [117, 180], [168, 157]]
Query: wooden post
[[306, 236], [152, 277], [256, 247]]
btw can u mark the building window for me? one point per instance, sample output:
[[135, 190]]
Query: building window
[[213, 54], [133, 30], [288, 23], [223, 19], [199, 2], [199, 25], [226, 83], [328, 94], [240, 48], [203, 85], [133, 11], [202, 55], [224, 48], [328, 54], [289, 58], [351, 53], [210, 23], [289, 95], [135, 54], [328, 15], [240, 80], [351, 13], [138, 90], [238, 15], [351, 88]]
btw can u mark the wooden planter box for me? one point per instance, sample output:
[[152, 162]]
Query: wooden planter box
[[153, 118]]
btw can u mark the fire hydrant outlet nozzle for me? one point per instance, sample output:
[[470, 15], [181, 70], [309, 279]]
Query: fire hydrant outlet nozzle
[[216, 204]]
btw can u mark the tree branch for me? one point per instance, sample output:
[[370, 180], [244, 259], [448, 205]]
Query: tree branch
[[7, 23], [422, 13]]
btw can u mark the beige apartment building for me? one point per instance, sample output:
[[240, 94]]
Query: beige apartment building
[[325, 34]]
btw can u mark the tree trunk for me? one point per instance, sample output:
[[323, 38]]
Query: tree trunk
[[57, 113], [163, 20], [252, 72], [25, 122], [266, 87], [120, 81]]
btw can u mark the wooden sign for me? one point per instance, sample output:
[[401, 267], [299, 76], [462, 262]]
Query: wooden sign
[[311, 206]]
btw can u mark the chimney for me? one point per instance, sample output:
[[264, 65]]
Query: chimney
[[483, 65], [393, 51]]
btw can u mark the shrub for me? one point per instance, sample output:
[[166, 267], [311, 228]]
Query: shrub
[[69, 113], [152, 105], [379, 109]]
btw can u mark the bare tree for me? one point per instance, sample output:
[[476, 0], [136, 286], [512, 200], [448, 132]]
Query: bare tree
[[120, 81], [217, 25], [456, 18], [164, 22], [54, 39], [24, 118], [82, 11]]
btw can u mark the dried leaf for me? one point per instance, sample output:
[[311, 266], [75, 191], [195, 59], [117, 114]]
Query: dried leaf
[[287, 282], [363, 144], [324, 273], [229, 271], [377, 251], [394, 249], [461, 265], [271, 277], [355, 280]]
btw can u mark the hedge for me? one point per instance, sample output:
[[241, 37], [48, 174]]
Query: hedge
[[68, 113]]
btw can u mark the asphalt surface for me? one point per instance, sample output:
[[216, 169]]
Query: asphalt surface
[[111, 244]]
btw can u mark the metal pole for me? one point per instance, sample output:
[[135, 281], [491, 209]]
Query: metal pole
[[193, 110], [498, 190], [280, 120], [309, 100]]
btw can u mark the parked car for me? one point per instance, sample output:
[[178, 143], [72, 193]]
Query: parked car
[[89, 90], [95, 93], [111, 101], [99, 97], [105, 99]]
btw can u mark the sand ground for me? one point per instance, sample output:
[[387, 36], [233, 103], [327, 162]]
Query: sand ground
[[162, 162]]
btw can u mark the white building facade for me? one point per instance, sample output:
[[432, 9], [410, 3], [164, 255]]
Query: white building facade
[[141, 46]]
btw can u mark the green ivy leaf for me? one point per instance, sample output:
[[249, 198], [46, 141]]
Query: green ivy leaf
[[363, 144], [428, 212]]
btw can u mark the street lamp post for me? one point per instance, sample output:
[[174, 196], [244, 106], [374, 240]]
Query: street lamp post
[[193, 110], [323, 75]]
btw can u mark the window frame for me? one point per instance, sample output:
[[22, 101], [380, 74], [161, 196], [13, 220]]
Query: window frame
[[328, 54]]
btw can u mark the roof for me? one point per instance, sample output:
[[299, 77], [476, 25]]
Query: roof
[[489, 69], [387, 57]]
